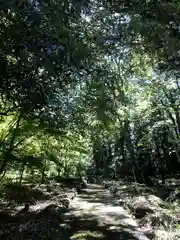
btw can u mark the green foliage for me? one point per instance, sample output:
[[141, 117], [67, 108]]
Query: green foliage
[[80, 87]]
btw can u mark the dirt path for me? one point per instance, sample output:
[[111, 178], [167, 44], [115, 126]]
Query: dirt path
[[94, 214]]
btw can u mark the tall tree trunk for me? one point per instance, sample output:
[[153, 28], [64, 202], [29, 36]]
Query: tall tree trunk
[[134, 163], [104, 157], [97, 157], [119, 147]]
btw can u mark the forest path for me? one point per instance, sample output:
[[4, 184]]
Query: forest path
[[95, 214]]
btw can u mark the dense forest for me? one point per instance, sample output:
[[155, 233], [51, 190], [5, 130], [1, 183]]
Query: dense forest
[[89, 89]]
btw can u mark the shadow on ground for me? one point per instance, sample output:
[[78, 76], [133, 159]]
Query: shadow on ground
[[96, 215], [100, 196], [87, 227], [21, 193]]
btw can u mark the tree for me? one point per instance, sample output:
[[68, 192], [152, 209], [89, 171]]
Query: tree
[[80, 89], [154, 26]]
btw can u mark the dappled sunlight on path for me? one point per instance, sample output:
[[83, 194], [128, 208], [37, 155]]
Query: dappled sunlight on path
[[96, 210]]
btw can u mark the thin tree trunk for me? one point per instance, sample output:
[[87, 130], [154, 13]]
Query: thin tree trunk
[[174, 121], [43, 172], [176, 111], [3, 175], [43, 176], [58, 172], [134, 163], [21, 173], [8, 152]]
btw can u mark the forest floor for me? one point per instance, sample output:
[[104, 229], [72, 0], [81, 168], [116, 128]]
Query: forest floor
[[156, 208], [114, 211]]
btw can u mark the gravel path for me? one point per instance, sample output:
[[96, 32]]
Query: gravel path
[[95, 210]]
